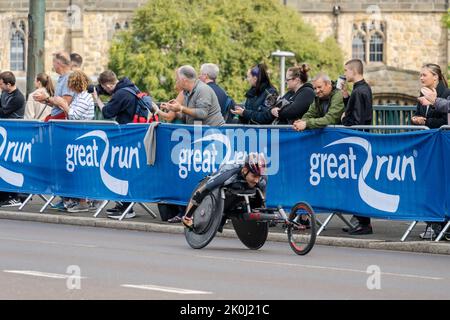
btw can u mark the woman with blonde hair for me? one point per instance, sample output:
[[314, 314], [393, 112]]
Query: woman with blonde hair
[[431, 77], [82, 106], [35, 110]]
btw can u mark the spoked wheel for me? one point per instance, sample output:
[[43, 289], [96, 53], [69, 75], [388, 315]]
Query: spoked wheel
[[207, 218], [302, 228]]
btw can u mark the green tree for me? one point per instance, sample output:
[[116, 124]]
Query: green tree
[[234, 34]]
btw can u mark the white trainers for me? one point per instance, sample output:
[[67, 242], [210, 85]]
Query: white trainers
[[80, 207], [11, 203]]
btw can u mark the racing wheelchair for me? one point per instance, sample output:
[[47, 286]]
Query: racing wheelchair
[[250, 218]]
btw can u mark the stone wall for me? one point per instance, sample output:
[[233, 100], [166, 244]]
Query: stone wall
[[411, 39], [352, 6]]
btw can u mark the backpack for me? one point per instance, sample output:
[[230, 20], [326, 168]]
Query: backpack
[[144, 109]]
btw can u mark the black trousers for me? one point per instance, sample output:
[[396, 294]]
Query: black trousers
[[364, 221]]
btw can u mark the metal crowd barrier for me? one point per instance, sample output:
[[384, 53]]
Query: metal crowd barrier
[[104, 202], [390, 129], [323, 225], [367, 128], [447, 226]]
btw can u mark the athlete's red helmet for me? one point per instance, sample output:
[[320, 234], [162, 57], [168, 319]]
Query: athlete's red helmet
[[256, 163]]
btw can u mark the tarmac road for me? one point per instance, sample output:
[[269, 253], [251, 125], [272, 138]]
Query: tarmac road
[[41, 261]]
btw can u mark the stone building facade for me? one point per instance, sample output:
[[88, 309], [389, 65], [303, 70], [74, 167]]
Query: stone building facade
[[394, 37]]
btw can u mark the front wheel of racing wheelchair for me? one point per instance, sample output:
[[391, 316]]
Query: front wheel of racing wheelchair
[[206, 217], [210, 215]]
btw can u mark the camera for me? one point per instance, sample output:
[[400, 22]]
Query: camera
[[98, 88]]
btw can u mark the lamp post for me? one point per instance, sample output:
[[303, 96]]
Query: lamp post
[[282, 55], [35, 55]]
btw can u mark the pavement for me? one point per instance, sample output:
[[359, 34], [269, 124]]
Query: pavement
[[386, 236]]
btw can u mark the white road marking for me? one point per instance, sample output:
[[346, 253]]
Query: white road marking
[[321, 267], [164, 289], [50, 242], [42, 274]]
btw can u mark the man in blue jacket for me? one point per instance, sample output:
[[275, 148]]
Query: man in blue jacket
[[123, 103], [122, 106]]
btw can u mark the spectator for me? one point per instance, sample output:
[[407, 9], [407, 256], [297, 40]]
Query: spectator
[[208, 74], [201, 102], [327, 107], [36, 110], [164, 111], [255, 107], [122, 106], [358, 111], [358, 106], [12, 106], [82, 106], [431, 77], [430, 96], [61, 64], [76, 61], [12, 101], [300, 95]]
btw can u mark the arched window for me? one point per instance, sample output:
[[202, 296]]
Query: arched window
[[376, 48], [17, 58], [359, 47]]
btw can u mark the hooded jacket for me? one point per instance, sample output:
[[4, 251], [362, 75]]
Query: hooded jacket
[[300, 102], [122, 104]]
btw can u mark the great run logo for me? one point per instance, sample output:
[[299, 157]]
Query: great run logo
[[87, 155], [13, 152], [342, 166], [205, 151]]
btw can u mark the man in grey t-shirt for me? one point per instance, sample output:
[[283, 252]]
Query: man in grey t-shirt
[[200, 103]]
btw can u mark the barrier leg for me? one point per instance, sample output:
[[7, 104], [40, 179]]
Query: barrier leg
[[42, 197], [319, 222], [348, 223], [443, 231], [102, 206], [127, 210], [411, 227], [25, 202], [327, 221], [46, 204], [146, 208]]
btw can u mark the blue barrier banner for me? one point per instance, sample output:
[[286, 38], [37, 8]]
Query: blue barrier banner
[[101, 162], [25, 164], [396, 176], [380, 176]]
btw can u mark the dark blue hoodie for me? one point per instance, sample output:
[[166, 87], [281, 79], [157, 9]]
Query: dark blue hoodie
[[122, 104]]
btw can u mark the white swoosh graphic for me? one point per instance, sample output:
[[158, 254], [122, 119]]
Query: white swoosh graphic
[[13, 178], [220, 138], [378, 200], [115, 185]]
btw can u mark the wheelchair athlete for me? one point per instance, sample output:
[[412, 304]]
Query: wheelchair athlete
[[245, 176]]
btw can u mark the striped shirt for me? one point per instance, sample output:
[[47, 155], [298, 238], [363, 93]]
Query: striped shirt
[[82, 107]]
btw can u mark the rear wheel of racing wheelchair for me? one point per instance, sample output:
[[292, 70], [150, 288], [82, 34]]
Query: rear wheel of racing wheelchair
[[206, 218], [302, 228]]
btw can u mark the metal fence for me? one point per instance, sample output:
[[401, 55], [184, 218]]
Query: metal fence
[[392, 114]]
